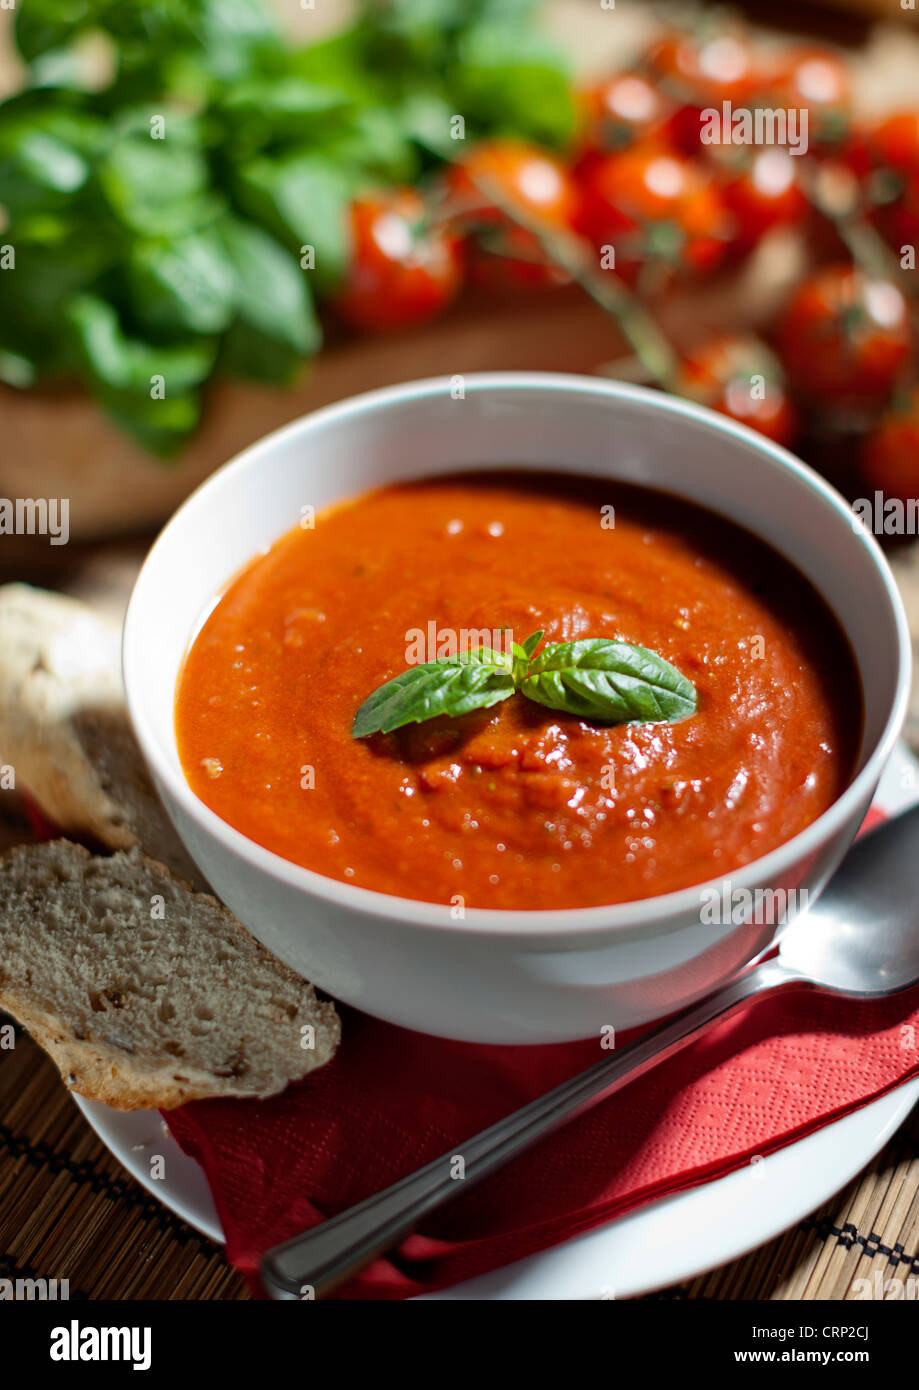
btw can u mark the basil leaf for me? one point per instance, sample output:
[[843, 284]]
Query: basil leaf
[[306, 202], [426, 118], [54, 262], [120, 363], [17, 370], [343, 61], [44, 162], [283, 108], [453, 685], [45, 24], [158, 188], [227, 33], [512, 80], [251, 355], [187, 285], [273, 294], [615, 682], [231, 33], [45, 157], [162, 427], [374, 145]]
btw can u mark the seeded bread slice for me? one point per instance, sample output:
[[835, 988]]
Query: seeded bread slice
[[65, 731], [145, 993]]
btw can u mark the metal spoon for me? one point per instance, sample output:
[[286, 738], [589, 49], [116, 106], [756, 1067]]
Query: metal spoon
[[860, 939]]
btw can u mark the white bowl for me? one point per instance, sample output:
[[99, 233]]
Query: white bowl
[[505, 976]]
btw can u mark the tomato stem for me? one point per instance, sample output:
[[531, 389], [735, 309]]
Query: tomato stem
[[569, 251], [866, 246]]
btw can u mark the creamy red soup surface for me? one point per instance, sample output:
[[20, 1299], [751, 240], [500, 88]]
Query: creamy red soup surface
[[518, 806]]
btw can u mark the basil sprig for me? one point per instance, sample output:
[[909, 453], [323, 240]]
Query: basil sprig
[[616, 682], [595, 678], [452, 685]]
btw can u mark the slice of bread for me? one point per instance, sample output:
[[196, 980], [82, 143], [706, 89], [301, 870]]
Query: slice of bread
[[65, 731], [145, 993]]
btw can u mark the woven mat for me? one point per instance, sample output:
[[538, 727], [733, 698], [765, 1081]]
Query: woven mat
[[69, 1211]]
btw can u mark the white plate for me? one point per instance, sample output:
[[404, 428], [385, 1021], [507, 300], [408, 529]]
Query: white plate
[[663, 1243]]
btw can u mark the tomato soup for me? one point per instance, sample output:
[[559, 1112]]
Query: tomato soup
[[519, 805]]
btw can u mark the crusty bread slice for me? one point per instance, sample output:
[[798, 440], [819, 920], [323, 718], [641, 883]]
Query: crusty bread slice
[[145, 993], [65, 731]]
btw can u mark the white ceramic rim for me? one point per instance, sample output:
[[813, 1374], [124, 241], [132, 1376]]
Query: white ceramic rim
[[535, 923]]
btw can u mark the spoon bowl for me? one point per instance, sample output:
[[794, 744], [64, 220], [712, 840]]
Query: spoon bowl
[[861, 937]]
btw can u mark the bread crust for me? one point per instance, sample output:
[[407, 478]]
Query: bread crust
[[64, 726], [97, 1072], [56, 659]]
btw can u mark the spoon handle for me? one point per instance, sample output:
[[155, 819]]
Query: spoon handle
[[313, 1263]]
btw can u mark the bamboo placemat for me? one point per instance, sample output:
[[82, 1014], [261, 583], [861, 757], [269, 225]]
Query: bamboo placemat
[[69, 1211]]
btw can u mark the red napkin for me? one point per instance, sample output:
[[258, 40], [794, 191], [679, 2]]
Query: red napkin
[[391, 1100]]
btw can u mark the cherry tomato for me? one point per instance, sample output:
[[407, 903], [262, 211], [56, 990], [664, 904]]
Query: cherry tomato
[[764, 195], [855, 151], [884, 157], [894, 143], [818, 81], [654, 207], [523, 178], [403, 271], [699, 74], [898, 220], [740, 378], [621, 111], [890, 455], [845, 338], [886, 162]]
